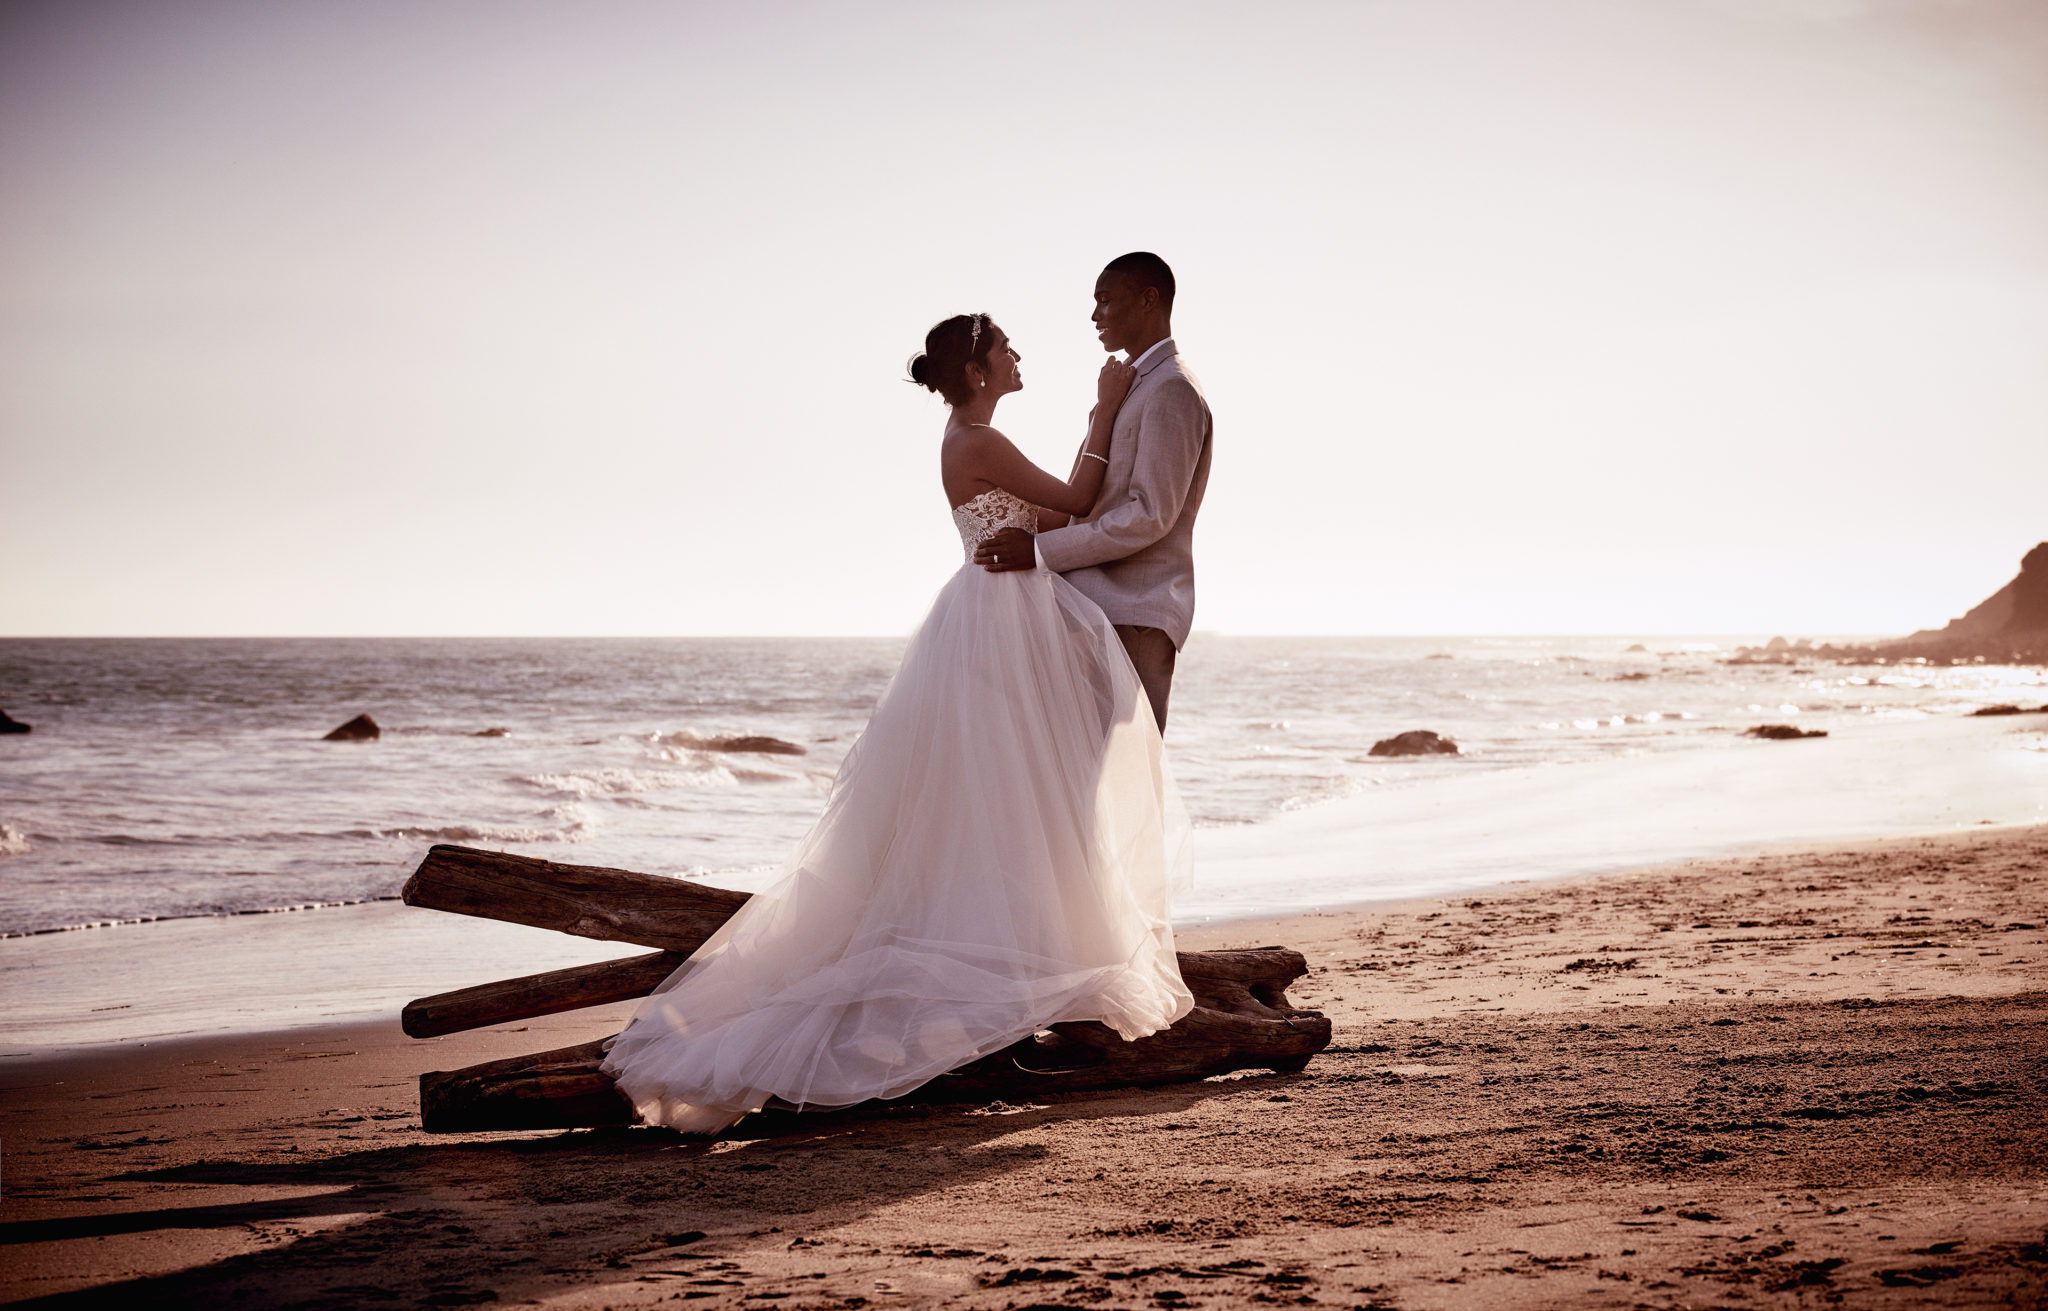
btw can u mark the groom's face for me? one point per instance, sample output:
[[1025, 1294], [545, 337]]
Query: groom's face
[[1119, 310]]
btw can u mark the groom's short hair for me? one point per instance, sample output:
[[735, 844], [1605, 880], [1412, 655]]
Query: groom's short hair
[[1147, 270]]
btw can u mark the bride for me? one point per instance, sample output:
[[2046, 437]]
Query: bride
[[998, 846]]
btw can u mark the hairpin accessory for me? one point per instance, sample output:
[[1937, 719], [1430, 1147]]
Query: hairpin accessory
[[974, 337]]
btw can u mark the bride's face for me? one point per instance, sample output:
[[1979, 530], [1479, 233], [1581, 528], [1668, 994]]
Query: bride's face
[[1002, 372]]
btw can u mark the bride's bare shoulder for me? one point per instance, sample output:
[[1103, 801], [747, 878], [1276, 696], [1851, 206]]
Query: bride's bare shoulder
[[976, 450], [967, 457], [969, 436]]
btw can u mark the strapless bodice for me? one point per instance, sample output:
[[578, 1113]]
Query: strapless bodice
[[990, 512]]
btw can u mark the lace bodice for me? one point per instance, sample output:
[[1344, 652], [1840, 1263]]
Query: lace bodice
[[987, 513]]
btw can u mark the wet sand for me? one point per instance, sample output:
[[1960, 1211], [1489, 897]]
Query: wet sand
[[1809, 1077]]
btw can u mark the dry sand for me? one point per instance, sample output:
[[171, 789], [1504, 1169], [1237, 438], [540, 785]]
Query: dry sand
[[1812, 1077]]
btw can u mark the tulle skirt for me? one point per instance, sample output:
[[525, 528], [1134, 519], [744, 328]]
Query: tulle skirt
[[996, 856]]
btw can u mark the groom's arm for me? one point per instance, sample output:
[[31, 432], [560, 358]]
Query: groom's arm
[[1169, 436]]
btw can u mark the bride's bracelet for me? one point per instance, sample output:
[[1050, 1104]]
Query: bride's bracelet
[[1093, 456]]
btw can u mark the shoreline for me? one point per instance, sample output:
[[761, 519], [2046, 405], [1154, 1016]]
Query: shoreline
[[1813, 1073], [205, 975], [194, 915]]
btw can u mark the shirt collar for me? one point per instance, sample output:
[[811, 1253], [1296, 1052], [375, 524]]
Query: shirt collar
[[1163, 346]]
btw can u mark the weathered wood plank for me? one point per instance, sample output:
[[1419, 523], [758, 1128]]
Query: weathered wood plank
[[561, 1089], [567, 1089], [591, 901], [569, 989], [1246, 981], [1202, 1043]]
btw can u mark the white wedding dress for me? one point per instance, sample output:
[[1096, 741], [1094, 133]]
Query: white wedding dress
[[995, 857]]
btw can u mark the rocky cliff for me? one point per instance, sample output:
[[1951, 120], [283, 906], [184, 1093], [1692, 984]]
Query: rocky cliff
[[2009, 627], [2012, 619]]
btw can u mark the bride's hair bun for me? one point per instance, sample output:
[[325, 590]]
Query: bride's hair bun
[[948, 348]]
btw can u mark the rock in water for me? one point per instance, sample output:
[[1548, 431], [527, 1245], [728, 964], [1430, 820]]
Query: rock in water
[[1415, 742], [9, 724], [360, 729], [1783, 732], [770, 746]]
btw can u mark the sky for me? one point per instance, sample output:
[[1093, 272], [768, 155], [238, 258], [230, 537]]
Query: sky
[[1533, 316]]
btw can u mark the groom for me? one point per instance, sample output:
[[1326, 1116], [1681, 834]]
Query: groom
[[1134, 554]]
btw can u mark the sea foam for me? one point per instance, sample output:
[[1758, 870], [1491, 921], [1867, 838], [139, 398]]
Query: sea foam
[[619, 782]]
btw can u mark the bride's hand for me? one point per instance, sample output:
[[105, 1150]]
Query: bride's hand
[[1113, 383]]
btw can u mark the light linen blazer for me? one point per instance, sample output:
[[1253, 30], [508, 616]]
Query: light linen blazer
[[1133, 555]]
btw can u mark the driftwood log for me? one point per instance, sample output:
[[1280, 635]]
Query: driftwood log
[[539, 994], [590, 901], [1242, 1018]]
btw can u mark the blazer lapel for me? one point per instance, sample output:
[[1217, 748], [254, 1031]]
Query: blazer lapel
[[1128, 416]]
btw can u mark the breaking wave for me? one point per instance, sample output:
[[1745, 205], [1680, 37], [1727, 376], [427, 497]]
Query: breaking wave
[[760, 772], [620, 782], [577, 824]]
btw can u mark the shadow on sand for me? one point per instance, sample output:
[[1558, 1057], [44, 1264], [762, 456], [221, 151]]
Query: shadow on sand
[[503, 1220]]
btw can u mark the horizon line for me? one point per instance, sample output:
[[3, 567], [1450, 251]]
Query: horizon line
[[815, 637]]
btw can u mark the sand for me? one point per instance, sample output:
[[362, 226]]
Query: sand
[[1814, 1076]]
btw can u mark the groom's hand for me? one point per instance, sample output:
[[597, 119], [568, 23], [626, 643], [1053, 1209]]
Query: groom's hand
[[1007, 550]]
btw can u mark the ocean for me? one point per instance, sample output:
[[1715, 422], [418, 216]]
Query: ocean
[[170, 778], [176, 792]]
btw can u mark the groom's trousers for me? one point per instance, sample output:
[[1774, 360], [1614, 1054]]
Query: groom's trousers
[[1152, 653]]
